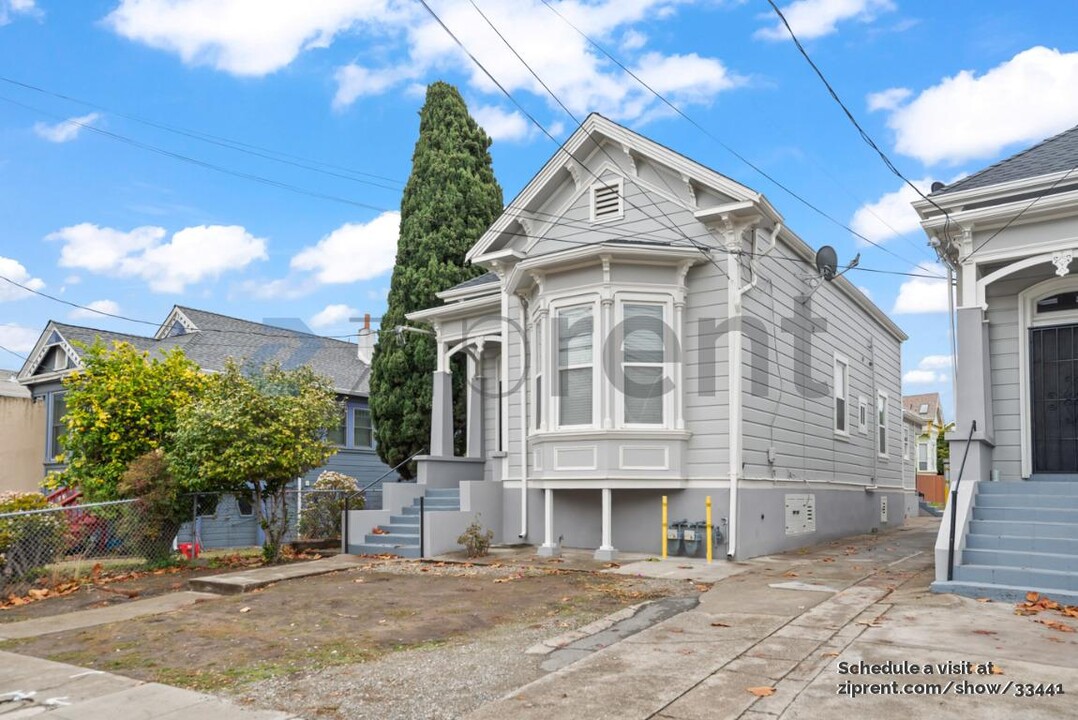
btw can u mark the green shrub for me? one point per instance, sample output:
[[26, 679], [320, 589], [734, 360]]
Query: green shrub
[[28, 542], [475, 541], [321, 517]]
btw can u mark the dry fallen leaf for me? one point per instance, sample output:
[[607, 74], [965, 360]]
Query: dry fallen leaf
[[762, 691], [1032, 597], [997, 670], [984, 632], [245, 609], [984, 600], [1056, 625], [719, 624], [830, 654], [789, 574]]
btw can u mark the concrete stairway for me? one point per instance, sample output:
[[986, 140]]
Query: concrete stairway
[[1023, 536], [401, 536]]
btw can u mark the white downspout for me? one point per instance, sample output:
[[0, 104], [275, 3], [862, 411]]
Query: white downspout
[[756, 258], [733, 315], [523, 417]]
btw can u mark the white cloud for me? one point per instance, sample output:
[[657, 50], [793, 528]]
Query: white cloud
[[888, 99], [242, 37], [10, 8], [191, 255], [923, 377], [965, 117], [102, 306], [332, 315], [352, 252], [18, 338], [255, 38], [503, 125], [890, 216], [921, 294], [14, 270], [935, 362], [815, 18], [65, 130]]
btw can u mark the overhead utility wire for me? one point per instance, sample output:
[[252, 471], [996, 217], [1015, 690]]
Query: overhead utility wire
[[18, 355], [561, 147], [157, 324], [195, 161], [256, 150], [863, 133], [1022, 212], [723, 144]]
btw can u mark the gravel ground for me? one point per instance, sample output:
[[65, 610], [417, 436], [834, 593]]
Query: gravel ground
[[434, 683], [424, 684]]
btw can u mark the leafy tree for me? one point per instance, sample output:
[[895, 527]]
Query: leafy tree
[[163, 504], [122, 404], [449, 201], [253, 432]]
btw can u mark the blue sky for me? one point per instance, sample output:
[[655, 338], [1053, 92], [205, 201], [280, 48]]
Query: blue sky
[[113, 219]]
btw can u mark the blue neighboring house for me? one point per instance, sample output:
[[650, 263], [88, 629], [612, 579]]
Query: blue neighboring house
[[210, 339]]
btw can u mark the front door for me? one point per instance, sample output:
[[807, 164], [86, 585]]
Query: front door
[[1054, 409]]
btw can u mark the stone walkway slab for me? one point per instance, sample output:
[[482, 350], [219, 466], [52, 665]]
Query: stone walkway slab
[[247, 580], [101, 616]]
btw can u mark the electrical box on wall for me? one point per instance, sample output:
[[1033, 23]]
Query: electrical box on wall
[[883, 508], [800, 513]]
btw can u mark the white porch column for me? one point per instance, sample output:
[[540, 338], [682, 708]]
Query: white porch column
[[441, 420], [607, 551], [475, 403], [550, 547]]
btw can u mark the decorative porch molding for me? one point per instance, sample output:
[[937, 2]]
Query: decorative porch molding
[[1061, 259]]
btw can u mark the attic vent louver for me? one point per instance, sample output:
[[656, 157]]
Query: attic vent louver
[[606, 202]]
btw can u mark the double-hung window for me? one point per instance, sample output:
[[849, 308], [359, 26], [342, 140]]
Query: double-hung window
[[538, 365], [57, 427], [338, 434], [576, 365], [922, 456], [881, 423], [643, 364], [842, 385], [362, 429]]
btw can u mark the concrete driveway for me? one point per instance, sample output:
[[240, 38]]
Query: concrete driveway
[[843, 628]]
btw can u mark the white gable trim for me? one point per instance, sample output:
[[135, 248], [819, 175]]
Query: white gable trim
[[175, 316], [41, 348], [594, 129]]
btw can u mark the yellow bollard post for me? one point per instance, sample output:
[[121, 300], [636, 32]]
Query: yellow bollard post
[[707, 519], [664, 527]]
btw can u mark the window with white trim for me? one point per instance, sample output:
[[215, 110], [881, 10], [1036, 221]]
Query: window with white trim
[[537, 363], [905, 441], [643, 364], [362, 428], [924, 453], [881, 423], [862, 415], [842, 384], [576, 365], [57, 427]]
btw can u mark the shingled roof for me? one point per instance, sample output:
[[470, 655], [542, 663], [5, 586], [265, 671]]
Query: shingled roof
[[215, 338], [1056, 154]]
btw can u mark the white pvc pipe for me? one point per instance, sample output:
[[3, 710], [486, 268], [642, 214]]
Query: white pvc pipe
[[523, 419]]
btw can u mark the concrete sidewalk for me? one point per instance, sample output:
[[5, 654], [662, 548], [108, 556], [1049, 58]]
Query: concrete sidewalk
[[784, 627], [247, 580], [30, 687]]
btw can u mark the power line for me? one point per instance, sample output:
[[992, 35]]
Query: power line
[[125, 318], [861, 131], [195, 161], [561, 146], [18, 355], [724, 145], [1022, 211], [255, 150]]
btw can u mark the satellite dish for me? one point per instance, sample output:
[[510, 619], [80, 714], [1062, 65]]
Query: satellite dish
[[827, 262]]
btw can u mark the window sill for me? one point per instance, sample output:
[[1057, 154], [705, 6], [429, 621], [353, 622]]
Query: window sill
[[613, 433], [843, 436]]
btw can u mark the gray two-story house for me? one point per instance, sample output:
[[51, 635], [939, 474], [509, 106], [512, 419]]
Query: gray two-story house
[[209, 340], [649, 328]]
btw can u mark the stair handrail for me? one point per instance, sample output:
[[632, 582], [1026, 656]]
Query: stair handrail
[[363, 490], [954, 503]]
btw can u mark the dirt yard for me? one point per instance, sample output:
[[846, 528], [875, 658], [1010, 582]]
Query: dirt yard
[[287, 633]]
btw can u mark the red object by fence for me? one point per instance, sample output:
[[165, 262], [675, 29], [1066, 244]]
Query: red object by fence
[[190, 550]]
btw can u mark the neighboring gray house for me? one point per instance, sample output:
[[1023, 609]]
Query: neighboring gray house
[[209, 339], [1010, 234], [649, 328]]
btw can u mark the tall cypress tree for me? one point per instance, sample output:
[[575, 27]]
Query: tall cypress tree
[[451, 198]]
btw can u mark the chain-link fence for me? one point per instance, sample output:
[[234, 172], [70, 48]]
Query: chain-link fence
[[59, 542], [35, 544]]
